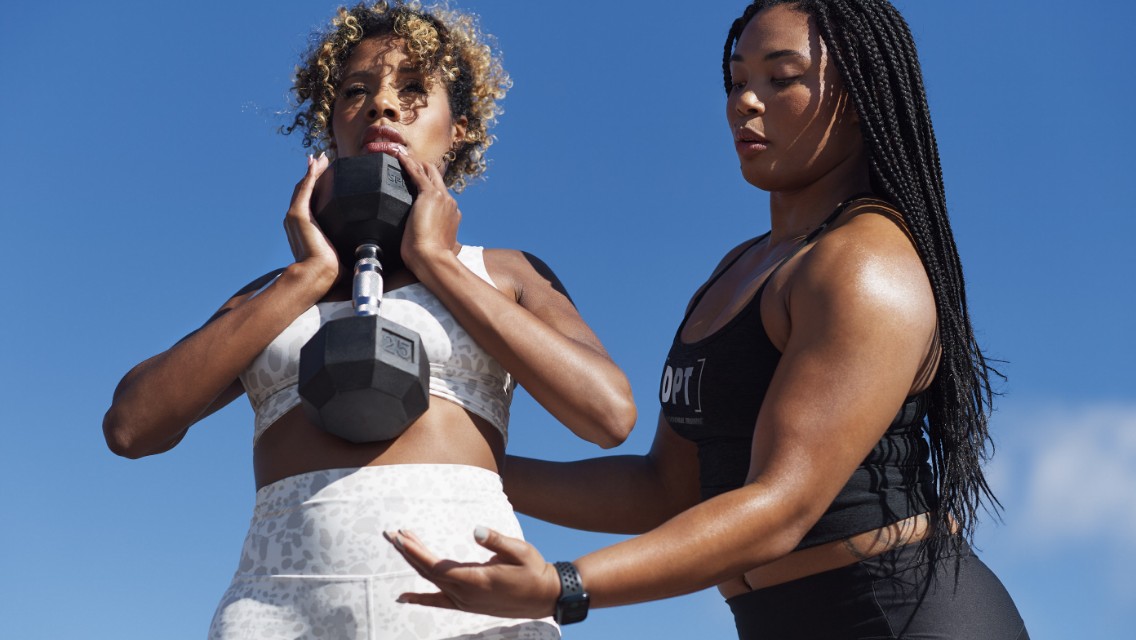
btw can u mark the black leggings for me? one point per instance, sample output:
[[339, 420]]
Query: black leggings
[[887, 597]]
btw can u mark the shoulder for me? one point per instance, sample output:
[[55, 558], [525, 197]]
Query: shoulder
[[521, 272], [865, 268]]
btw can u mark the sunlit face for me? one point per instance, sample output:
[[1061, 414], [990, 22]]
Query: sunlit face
[[383, 104], [791, 120]]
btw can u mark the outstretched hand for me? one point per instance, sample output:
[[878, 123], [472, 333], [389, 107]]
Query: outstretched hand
[[516, 582]]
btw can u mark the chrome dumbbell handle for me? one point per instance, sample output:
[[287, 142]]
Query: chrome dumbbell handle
[[367, 289]]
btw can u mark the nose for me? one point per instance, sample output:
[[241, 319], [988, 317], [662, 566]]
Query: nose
[[749, 104], [385, 105]]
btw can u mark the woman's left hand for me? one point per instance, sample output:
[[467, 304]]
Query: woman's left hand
[[516, 582], [432, 228]]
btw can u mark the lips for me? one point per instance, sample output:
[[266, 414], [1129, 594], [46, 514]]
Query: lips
[[383, 139], [742, 135], [749, 142]]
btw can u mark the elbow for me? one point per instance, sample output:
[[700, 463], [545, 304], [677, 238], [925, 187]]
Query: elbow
[[797, 526], [120, 437], [795, 514], [788, 539], [616, 422]]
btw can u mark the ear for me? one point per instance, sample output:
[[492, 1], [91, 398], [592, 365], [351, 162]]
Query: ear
[[458, 130]]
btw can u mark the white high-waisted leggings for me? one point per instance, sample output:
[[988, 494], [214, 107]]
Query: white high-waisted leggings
[[315, 563]]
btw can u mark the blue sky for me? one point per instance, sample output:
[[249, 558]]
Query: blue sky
[[144, 182]]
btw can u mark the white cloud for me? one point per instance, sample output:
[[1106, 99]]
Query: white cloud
[[1068, 474]]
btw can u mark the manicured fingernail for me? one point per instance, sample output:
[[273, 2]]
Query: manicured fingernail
[[402, 599], [481, 534]]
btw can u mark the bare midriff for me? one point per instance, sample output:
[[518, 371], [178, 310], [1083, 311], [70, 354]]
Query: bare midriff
[[445, 434], [829, 556]]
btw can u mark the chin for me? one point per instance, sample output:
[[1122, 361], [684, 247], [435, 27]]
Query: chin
[[760, 179]]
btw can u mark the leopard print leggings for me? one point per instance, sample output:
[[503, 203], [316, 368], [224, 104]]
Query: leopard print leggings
[[315, 563]]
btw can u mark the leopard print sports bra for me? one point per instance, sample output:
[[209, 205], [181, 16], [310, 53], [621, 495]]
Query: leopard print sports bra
[[460, 370]]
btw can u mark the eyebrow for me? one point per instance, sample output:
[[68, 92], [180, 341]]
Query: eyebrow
[[402, 69], [781, 53]]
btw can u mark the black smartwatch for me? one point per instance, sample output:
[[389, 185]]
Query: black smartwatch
[[572, 606]]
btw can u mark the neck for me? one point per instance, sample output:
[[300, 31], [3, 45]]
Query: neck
[[795, 213]]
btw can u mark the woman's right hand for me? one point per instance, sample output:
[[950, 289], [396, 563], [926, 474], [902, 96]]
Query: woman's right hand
[[310, 247], [515, 582]]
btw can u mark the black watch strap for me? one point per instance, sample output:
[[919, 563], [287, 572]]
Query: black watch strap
[[572, 606]]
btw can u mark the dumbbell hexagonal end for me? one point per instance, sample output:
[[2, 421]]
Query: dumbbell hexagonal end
[[367, 201], [364, 378]]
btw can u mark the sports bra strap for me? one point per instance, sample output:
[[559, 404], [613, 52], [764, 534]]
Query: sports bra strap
[[836, 213], [840, 209]]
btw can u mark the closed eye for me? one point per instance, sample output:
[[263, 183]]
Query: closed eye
[[354, 91], [414, 86], [784, 82]]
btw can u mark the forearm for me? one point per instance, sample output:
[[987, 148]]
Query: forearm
[[574, 380], [612, 494], [158, 400], [701, 547]]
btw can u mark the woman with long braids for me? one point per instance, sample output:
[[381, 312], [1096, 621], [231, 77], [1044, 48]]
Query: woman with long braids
[[422, 85], [824, 402]]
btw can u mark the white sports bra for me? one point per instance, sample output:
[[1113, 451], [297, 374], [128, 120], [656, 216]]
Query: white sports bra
[[460, 370]]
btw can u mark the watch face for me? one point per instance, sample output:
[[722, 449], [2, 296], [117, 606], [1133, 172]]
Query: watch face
[[572, 608]]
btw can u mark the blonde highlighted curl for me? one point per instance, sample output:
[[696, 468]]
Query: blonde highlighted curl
[[438, 40]]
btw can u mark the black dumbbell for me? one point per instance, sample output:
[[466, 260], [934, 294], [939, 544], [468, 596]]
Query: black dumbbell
[[365, 199], [365, 378]]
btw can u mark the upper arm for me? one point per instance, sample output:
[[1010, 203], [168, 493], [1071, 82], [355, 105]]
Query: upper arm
[[862, 320], [536, 288]]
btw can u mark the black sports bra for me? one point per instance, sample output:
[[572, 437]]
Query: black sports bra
[[712, 391]]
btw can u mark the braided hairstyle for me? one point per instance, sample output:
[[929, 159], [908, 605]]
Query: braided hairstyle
[[875, 54], [438, 40]]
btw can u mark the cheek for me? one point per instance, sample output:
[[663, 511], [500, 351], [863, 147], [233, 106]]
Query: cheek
[[342, 124], [341, 114]]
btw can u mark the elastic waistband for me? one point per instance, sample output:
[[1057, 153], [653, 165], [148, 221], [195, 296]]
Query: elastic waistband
[[834, 581], [418, 482]]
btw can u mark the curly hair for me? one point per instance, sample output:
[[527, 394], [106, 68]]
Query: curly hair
[[442, 42], [874, 51]]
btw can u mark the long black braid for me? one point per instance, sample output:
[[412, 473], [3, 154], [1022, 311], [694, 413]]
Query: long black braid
[[873, 50]]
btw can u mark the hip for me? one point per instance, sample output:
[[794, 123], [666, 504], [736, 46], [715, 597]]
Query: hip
[[331, 522], [900, 593]]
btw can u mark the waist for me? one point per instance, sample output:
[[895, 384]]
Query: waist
[[330, 523], [444, 435], [832, 555], [403, 482]]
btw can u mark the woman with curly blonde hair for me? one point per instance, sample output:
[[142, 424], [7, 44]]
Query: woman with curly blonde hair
[[421, 85]]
